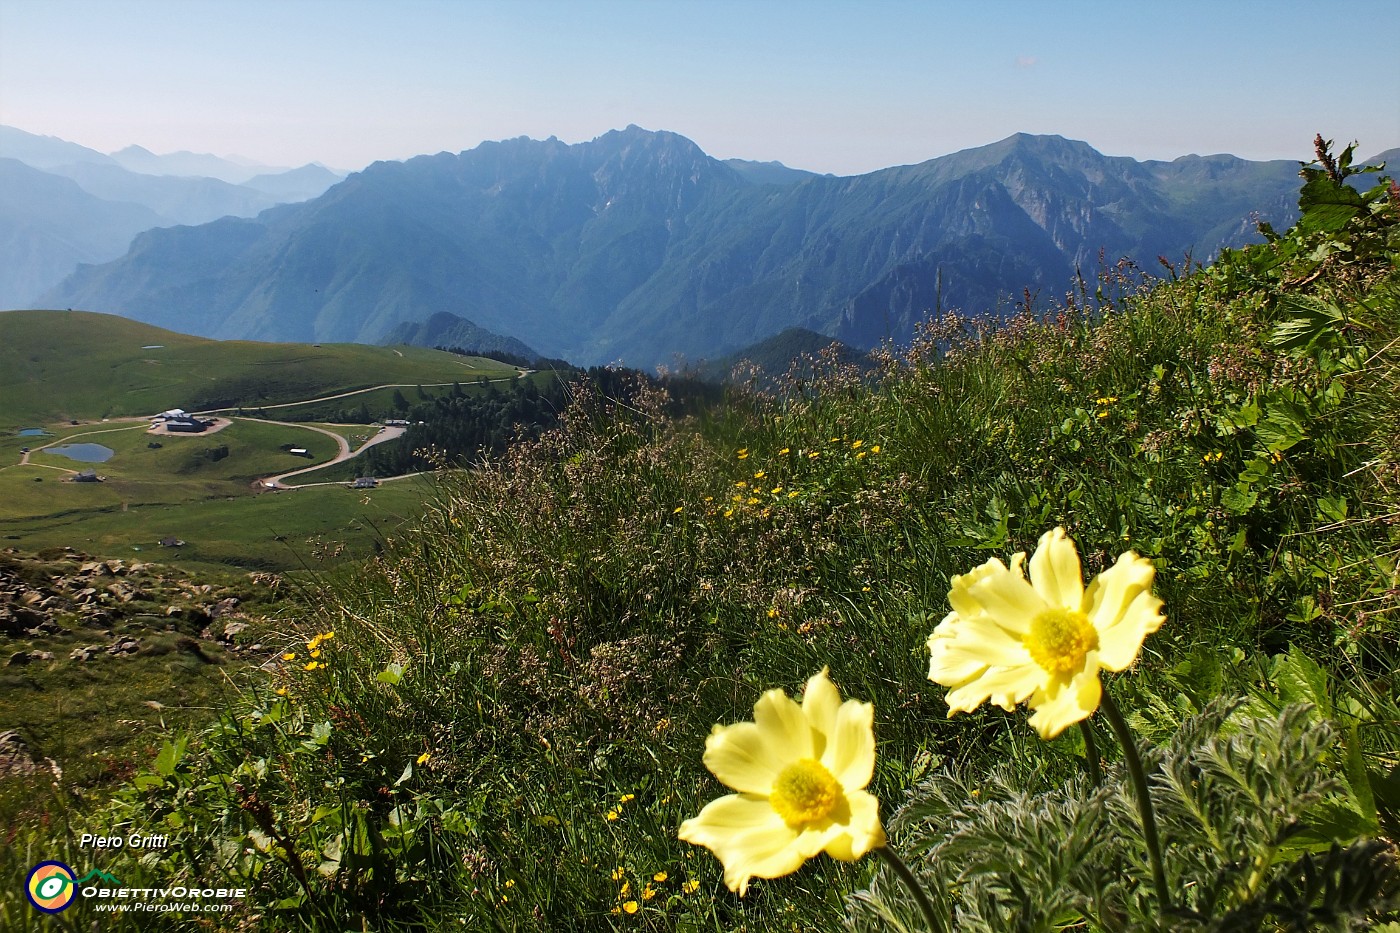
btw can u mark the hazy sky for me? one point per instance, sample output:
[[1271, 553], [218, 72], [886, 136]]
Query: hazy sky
[[843, 87]]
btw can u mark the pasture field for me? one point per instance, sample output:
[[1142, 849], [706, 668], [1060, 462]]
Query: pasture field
[[61, 365]]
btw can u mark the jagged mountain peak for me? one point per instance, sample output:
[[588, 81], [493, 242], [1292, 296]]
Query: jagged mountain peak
[[637, 245]]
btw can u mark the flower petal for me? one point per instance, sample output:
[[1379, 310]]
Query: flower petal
[[1055, 571], [861, 833], [958, 597], [1064, 703], [742, 757], [850, 752], [784, 726], [748, 837], [961, 648], [1121, 606], [820, 703], [1005, 687], [1009, 600]]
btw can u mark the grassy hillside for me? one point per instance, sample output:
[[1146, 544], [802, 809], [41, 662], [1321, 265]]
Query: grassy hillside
[[500, 724], [63, 365]]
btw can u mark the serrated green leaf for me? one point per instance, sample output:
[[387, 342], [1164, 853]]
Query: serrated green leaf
[[1300, 679]]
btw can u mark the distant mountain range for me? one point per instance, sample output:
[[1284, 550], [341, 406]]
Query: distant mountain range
[[62, 204], [451, 332], [638, 247]]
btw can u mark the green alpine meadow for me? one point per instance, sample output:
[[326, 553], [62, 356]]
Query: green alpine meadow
[[1085, 617]]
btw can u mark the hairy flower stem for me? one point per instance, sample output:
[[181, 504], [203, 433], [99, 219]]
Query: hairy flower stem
[[1149, 820], [897, 865], [1091, 753]]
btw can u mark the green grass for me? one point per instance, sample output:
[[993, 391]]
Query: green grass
[[61, 365], [291, 530]]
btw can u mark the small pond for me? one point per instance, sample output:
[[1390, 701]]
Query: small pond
[[33, 432], [87, 453]]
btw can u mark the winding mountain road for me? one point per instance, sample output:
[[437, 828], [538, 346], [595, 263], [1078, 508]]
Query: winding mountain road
[[343, 451]]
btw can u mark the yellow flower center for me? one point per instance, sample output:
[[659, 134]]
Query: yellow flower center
[[1059, 639], [804, 791]]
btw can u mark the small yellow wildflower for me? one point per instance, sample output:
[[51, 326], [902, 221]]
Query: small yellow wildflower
[[423, 758], [743, 453], [691, 886], [289, 656], [626, 887], [772, 613], [775, 490], [311, 666], [760, 474], [659, 877], [281, 691], [613, 815], [800, 772], [1043, 641], [617, 874], [875, 448], [752, 500], [648, 893], [785, 450], [626, 798], [793, 494], [510, 882], [856, 445], [678, 510], [741, 485], [316, 653], [1102, 414], [861, 455], [630, 907], [814, 455]]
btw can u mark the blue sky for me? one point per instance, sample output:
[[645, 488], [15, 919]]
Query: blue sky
[[843, 87]]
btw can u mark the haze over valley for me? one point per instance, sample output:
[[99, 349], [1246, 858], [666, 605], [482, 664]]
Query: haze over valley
[[636, 247]]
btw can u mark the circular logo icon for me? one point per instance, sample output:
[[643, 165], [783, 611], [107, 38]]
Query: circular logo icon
[[50, 886]]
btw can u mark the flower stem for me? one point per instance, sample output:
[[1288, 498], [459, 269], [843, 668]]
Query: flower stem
[[1149, 821], [1091, 753], [897, 865]]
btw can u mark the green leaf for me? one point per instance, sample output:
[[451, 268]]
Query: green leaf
[[1300, 679], [391, 674], [1326, 205], [170, 756], [1332, 509], [1239, 499], [407, 773]]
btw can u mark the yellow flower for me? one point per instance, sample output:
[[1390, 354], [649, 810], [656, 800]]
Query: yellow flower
[[613, 815], [625, 798], [312, 666], [659, 877], [626, 887], [281, 691], [856, 444], [800, 772], [289, 656], [743, 453], [678, 510], [875, 449], [1042, 641], [785, 450], [617, 874], [648, 893], [423, 758], [691, 886], [760, 474], [630, 907]]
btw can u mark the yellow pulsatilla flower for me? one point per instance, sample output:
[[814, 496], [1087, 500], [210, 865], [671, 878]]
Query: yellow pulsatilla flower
[[800, 772], [1042, 641]]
